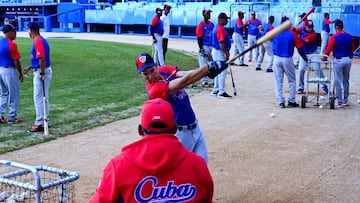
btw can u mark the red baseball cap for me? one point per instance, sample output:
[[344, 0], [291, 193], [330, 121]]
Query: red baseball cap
[[144, 61], [205, 11], [223, 16], [157, 115], [158, 10]]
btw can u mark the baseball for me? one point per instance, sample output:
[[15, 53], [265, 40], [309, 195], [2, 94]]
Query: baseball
[[358, 101], [272, 114], [322, 97], [321, 106]]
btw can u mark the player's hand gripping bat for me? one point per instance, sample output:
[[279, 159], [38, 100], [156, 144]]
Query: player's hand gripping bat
[[270, 35]]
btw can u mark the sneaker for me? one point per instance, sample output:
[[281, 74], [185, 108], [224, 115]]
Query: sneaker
[[36, 128], [16, 120], [282, 105], [233, 64], [292, 104], [249, 60], [214, 93], [2, 119], [243, 64], [300, 90], [345, 103], [257, 68], [269, 70], [325, 89], [205, 84], [339, 105], [223, 95]]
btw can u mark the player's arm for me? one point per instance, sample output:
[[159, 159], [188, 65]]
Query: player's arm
[[185, 78], [299, 45], [310, 38], [199, 35], [15, 55]]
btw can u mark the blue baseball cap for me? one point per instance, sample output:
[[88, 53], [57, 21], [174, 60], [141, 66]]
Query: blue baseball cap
[[144, 61], [33, 26], [8, 28], [223, 16]]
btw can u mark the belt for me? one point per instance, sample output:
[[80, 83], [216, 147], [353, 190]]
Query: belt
[[341, 57], [187, 127], [35, 69], [5, 67]]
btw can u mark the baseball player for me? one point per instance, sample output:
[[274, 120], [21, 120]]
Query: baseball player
[[296, 63], [266, 46], [283, 45], [238, 38], [308, 37], [220, 53], [9, 79], [157, 31], [156, 168], [342, 47], [253, 32], [168, 82], [203, 33], [41, 66], [325, 32], [166, 22]]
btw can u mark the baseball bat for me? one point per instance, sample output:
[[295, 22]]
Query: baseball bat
[[305, 16], [232, 80], [46, 122], [269, 36]]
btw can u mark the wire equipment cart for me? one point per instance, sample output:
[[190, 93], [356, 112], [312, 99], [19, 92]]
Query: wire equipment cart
[[35, 184], [319, 73]]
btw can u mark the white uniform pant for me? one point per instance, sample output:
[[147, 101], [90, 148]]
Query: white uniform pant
[[252, 41], [219, 80], [39, 94], [239, 46], [284, 65], [158, 52], [204, 58], [324, 41], [266, 47]]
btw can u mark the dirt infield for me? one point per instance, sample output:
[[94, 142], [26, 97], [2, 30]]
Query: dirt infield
[[299, 155]]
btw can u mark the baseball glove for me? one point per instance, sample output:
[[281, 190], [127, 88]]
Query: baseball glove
[[215, 68]]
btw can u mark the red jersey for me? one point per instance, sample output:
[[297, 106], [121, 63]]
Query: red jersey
[[156, 168]]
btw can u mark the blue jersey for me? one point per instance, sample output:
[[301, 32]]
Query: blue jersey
[[284, 43], [8, 53], [204, 31], [309, 40], [39, 49], [180, 101], [220, 35], [341, 44]]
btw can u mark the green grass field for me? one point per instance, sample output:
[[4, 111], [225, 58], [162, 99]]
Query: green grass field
[[94, 83]]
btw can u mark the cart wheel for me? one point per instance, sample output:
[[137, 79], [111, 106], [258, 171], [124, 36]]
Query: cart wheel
[[303, 101], [332, 102]]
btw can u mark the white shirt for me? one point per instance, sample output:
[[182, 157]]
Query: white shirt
[[165, 20]]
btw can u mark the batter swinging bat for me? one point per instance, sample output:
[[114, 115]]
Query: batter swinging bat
[[46, 122], [305, 16], [232, 80], [285, 25]]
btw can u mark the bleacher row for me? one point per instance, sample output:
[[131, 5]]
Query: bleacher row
[[190, 13]]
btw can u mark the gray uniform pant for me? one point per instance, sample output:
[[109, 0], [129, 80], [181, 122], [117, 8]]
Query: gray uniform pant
[[10, 91], [239, 46], [158, 53], [284, 65], [204, 58], [342, 69]]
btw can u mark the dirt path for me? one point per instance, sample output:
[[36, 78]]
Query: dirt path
[[300, 155]]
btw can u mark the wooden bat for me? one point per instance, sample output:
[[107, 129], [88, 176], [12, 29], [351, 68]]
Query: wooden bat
[[269, 36], [305, 16], [46, 122]]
